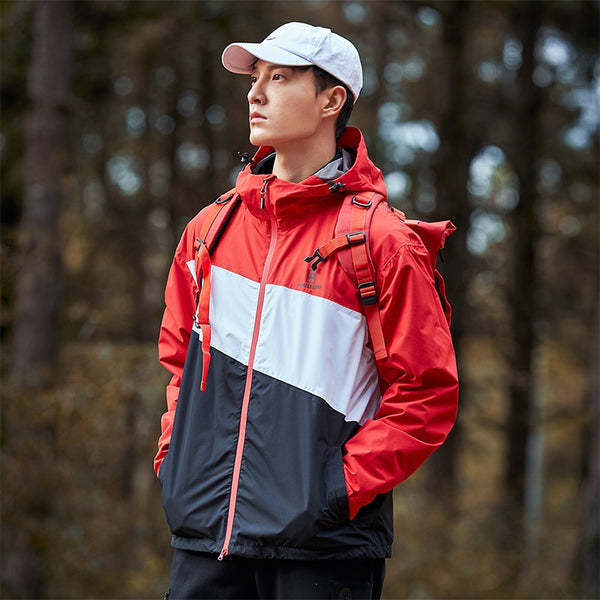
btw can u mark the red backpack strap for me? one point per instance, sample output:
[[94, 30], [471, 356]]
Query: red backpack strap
[[218, 215], [359, 265], [355, 217]]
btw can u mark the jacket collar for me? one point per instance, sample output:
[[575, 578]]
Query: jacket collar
[[264, 194]]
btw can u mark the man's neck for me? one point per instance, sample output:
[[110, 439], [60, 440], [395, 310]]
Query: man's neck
[[297, 164]]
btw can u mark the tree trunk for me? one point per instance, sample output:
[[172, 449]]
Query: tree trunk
[[454, 157], [589, 530], [37, 286], [523, 156], [38, 278]]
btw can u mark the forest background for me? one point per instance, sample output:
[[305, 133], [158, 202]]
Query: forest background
[[118, 124]]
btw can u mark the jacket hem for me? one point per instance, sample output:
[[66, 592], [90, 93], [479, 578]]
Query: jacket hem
[[280, 552]]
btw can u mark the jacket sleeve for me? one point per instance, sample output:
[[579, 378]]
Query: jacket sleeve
[[175, 330], [419, 380]]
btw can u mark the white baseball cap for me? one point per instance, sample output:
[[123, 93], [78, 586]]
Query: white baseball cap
[[297, 45]]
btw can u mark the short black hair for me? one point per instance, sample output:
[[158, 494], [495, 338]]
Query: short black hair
[[324, 81]]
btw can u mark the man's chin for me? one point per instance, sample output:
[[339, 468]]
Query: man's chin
[[258, 140]]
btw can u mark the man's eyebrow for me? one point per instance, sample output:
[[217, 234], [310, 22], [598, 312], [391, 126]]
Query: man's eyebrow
[[271, 67]]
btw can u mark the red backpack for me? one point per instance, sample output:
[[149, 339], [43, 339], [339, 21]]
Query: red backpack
[[351, 233]]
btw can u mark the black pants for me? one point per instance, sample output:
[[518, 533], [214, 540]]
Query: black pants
[[195, 575]]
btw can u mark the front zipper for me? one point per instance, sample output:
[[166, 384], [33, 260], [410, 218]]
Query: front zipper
[[246, 398], [263, 191]]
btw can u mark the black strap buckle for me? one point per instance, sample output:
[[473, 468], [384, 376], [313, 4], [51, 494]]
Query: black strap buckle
[[198, 242], [317, 258], [356, 238], [357, 202], [221, 200], [368, 293]]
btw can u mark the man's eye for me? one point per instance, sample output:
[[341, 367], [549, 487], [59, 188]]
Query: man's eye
[[277, 76]]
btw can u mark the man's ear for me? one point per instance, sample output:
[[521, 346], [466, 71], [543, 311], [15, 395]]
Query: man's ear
[[334, 98]]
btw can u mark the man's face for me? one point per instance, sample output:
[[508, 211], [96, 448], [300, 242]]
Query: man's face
[[284, 105]]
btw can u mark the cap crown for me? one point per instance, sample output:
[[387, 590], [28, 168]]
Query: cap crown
[[300, 44]]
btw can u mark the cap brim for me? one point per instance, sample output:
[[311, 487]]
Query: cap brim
[[240, 57]]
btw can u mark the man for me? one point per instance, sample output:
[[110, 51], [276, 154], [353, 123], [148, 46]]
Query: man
[[284, 436]]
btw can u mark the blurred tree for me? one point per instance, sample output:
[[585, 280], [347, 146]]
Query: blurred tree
[[587, 548], [458, 145], [37, 288], [37, 295], [523, 154]]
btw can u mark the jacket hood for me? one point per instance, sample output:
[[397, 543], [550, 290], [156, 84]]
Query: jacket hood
[[286, 199]]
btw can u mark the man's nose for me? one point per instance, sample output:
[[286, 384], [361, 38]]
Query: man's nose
[[256, 94]]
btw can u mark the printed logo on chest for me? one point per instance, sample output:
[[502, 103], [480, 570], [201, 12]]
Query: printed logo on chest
[[311, 281]]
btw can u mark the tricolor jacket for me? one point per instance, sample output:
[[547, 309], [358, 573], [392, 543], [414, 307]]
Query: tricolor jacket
[[295, 445]]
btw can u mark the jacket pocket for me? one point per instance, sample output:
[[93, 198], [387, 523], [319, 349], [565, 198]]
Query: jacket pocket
[[336, 507], [162, 469], [293, 505]]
